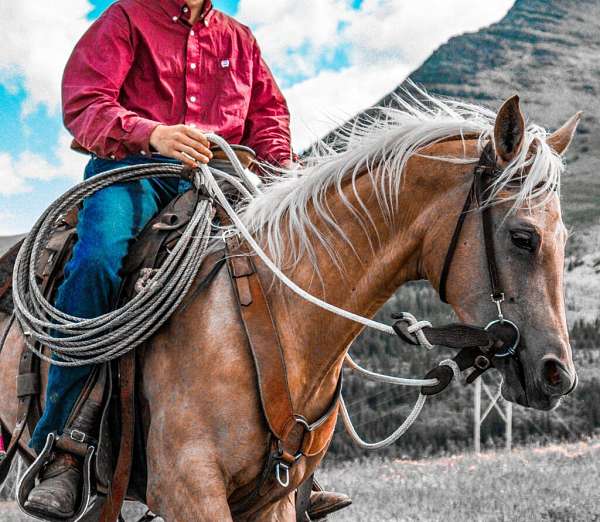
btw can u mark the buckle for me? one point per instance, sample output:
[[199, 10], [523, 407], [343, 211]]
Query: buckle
[[283, 478], [284, 483], [498, 300], [78, 436]]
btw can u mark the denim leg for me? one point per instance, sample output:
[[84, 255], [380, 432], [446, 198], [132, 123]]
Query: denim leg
[[108, 222]]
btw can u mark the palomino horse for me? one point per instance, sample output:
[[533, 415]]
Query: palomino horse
[[352, 227]]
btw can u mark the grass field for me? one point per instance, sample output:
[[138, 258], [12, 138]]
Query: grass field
[[551, 483], [555, 483]]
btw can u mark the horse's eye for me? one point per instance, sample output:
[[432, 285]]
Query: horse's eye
[[525, 239]]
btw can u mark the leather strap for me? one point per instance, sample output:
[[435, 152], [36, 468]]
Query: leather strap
[[454, 243], [118, 487], [263, 340], [27, 365], [482, 176], [303, 499], [483, 180], [291, 435]]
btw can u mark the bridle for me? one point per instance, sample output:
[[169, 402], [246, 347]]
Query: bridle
[[484, 173], [500, 338]]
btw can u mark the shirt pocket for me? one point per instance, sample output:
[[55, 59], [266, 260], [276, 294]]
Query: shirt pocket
[[232, 89]]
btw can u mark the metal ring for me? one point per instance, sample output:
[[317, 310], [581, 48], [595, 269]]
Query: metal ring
[[513, 349]]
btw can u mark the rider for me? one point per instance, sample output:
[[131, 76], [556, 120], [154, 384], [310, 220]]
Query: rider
[[139, 86]]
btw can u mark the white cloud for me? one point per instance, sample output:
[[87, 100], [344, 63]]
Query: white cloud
[[18, 174], [37, 39], [410, 31], [295, 35], [384, 40], [332, 97]]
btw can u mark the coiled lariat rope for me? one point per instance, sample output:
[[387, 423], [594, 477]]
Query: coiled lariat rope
[[75, 341]]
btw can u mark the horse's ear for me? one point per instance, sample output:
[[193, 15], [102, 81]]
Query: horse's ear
[[509, 130], [562, 138]]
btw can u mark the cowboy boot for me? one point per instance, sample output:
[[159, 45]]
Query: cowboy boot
[[323, 503], [58, 491]]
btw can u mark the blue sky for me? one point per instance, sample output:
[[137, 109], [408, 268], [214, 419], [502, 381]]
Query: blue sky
[[341, 57]]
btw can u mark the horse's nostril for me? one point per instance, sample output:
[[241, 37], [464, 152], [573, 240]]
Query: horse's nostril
[[553, 373]]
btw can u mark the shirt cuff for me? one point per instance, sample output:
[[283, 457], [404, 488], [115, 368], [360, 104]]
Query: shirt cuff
[[138, 141]]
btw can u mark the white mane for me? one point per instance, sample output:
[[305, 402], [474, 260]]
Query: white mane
[[381, 145]]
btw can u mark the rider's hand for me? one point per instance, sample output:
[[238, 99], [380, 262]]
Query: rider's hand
[[181, 142]]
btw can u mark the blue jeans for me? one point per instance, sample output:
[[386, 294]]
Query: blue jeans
[[110, 219]]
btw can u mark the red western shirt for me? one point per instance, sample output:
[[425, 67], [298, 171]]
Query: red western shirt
[[142, 64]]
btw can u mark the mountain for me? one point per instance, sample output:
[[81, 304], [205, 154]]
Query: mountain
[[7, 241], [547, 51]]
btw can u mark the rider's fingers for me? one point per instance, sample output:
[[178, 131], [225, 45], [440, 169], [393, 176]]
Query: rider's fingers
[[194, 154], [186, 159], [197, 146], [197, 135]]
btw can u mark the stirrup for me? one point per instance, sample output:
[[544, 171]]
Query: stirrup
[[27, 483]]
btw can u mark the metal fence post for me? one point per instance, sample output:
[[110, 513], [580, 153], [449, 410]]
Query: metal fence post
[[477, 416]]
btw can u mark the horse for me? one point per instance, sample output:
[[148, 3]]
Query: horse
[[351, 226]]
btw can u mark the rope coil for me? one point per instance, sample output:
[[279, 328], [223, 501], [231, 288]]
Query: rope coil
[[76, 341]]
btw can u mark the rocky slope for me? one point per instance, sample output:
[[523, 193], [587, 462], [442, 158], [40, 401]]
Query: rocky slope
[[7, 241], [547, 51]]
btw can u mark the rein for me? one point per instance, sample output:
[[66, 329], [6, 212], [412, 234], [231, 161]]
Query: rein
[[478, 346]]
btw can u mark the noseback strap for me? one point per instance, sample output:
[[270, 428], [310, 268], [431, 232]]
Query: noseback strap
[[456, 336]]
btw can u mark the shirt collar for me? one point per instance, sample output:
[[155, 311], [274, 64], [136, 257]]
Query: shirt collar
[[174, 8]]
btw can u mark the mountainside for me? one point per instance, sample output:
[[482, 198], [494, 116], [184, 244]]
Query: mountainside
[[7, 241], [547, 51]]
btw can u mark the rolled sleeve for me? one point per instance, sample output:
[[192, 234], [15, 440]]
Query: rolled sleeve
[[91, 84]]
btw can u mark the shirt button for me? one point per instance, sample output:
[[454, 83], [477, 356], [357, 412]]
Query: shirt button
[[143, 152], [193, 65], [192, 33], [185, 9], [193, 99], [205, 22], [112, 157], [175, 18]]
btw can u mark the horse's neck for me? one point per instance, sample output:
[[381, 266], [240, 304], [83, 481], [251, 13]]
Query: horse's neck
[[315, 341]]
